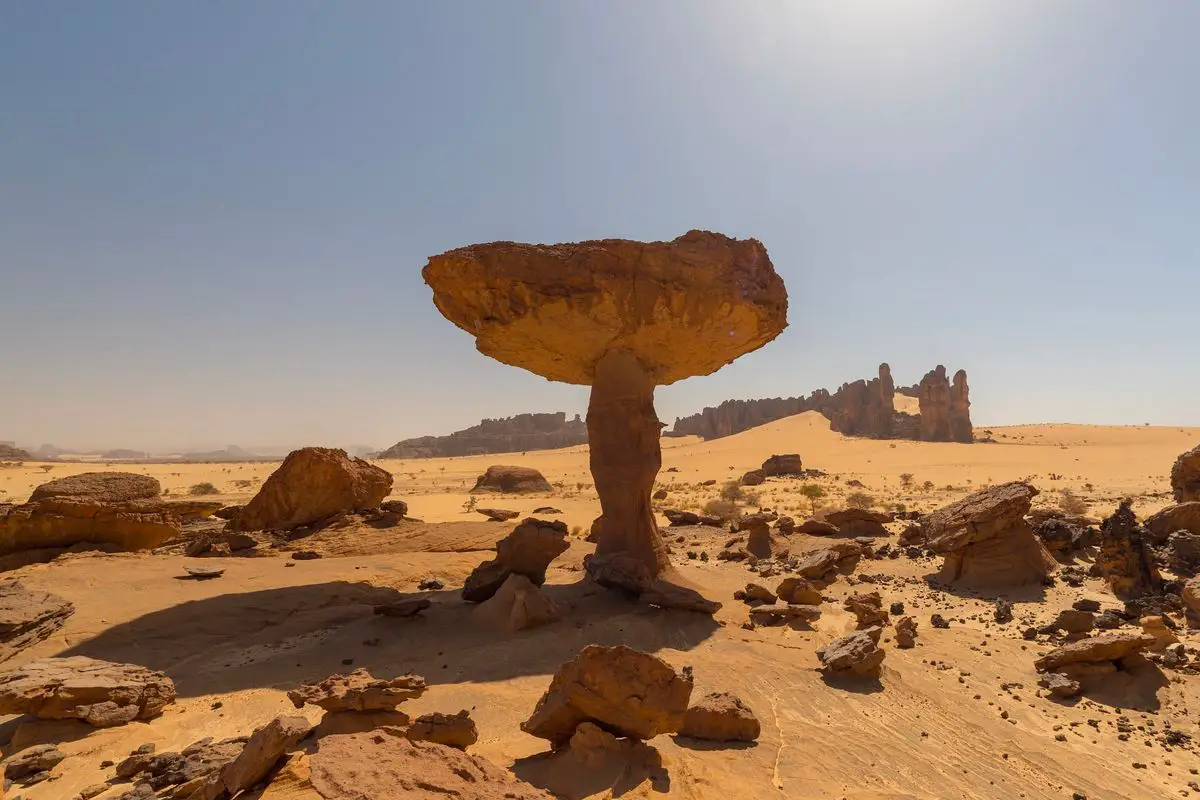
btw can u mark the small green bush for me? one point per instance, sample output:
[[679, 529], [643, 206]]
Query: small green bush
[[202, 489]]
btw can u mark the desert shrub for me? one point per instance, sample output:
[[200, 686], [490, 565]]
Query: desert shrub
[[577, 531], [812, 492], [1071, 503], [906, 479], [470, 504], [927, 486], [901, 507], [733, 491], [243, 484], [201, 489], [726, 510], [47, 467], [859, 500], [752, 499]]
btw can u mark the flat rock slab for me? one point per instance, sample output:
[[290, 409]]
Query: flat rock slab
[[28, 616], [1110, 647], [358, 691], [101, 693], [202, 573], [403, 608]]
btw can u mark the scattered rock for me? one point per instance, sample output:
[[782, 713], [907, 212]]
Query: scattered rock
[[720, 717], [1059, 685], [311, 485], [101, 693], [906, 632], [816, 527], [1125, 560], [867, 609], [203, 572], [754, 477], [1164, 637], [511, 480], [33, 764], [800, 591], [305, 555], [621, 689], [1003, 612], [779, 614], [857, 654], [938, 621], [663, 594], [840, 556], [358, 691], [527, 551], [1074, 621], [262, 750], [453, 730], [1109, 647], [430, 585], [754, 593]]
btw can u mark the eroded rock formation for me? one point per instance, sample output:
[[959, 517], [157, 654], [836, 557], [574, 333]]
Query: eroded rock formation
[[1125, 558], [511, 480], [28, 616], [1185, 476], [527, 551], [509, 435], [101, 693]]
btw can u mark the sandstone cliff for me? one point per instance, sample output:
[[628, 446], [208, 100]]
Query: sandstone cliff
[[511, 435]]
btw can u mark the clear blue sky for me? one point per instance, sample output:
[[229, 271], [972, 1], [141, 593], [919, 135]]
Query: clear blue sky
[[213, 215]]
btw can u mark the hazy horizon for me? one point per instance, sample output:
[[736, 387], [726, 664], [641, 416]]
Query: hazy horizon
[[216, 216]]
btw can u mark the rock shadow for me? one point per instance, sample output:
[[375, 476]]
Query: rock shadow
[[285, 636], [568, 775], [1029, 593], [704, 745], [852, 683], [1133, 689]]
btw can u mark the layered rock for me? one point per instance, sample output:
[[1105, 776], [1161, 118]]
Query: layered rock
[[28, 616], [10, 452], [623, 690], [121, 509], [935, 406], [527, 551], [100, 693], [1109, 647], [511, 480], [358, 691], [1125, 558], [311, 485], [521, 433], [986, 540], [1185, 476]]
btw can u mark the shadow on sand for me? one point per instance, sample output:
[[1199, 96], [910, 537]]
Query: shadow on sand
[[852, 683], [284, 636], [1030, 593], [616, 773]]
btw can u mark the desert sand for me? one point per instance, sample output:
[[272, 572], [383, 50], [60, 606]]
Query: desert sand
[[958, 716]]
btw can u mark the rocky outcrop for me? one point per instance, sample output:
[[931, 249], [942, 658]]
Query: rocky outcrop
[[28, 616], [511, 480], [859, 521], [1125, 558], [623, 690], [1185, 476], [358, 691], [100, 693], [311, 485], [986, 540], [1181, 517], [859, 408], [521, 433], [720, 717], [121, 509], [1109, 647], [262, 751], [788, 464], [527, 551], [10, 452]]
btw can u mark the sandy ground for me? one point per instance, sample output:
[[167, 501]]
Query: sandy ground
[[938, 724]]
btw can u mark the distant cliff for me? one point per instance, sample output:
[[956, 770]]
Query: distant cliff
[[511, 435], [10, 452], [860, 408]]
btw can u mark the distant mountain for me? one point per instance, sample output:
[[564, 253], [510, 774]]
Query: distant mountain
[[10, 452], [511, 435], [230, 453]]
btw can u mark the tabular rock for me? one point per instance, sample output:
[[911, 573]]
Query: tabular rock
[[517, 605], [906, 632], [113, 508], [376, 765], [1072, 620], [720, 717], [817, 527], [101, 693], [511, 480], [800, 591], [28, 616], [754, 593], [263, 749], [527, 551], [623, 690], [498, 514], [785, 464], [859, 521], [856, 654], [1125, 559], [311, 485], [986, 540], [1109, 647], [1185, 476], [453, 730], [358, 691], [867, 609]]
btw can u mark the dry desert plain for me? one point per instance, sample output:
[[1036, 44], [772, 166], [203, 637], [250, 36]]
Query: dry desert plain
[[958, 716]]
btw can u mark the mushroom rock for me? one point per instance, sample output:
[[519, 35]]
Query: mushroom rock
[[785, 464], [1185, 476], [986, 540], [453, 730], [934, 401], [961, 429], [313, 484], [511, 480], [623, 317], [527, 551], [1125, 558]]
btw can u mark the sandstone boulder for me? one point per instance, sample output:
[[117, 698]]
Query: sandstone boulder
[[1109, 647], [720, 717], [986, 540], [867, 609], [1157, 627], [527, 550], [754, 477], [1185, 476], [857, 654], [187, 769], [1059, 685], [1125, 560], [28, 616], [518, 604], [663, 594], [800, 591], [859, 521], [511, 480], [498, 514], [262, 751], [1181, 517], [376, 765], [816, 527], [839, 556], [101, 693], [777, 614], [33, 764], [906, 632], [623, 690], [358, 691], [453, 730], [786, 464], [311, 485]]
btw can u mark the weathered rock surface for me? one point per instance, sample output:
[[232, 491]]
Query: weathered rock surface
[[453, 730], [376, 765], [511, 480], [1109, 647], [856, 654], [1191, 601], [358, 691], [1059, 685], [517, 605], [720, 717], [986, 540], [621, 689], [1185, 476], [840, 556], [33, 764], [786, 464], [906, 632], [859, 521], [311, 485], [1181, 517], [101, 693], [1125, 558], [527, 551], [663, 594], [188, 769], [498, 514], [867, 609], [104, 508], [516, 434], [754, 477], [28, 616], [816, 527], [262, 751], [800, 591], [777, 614]]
